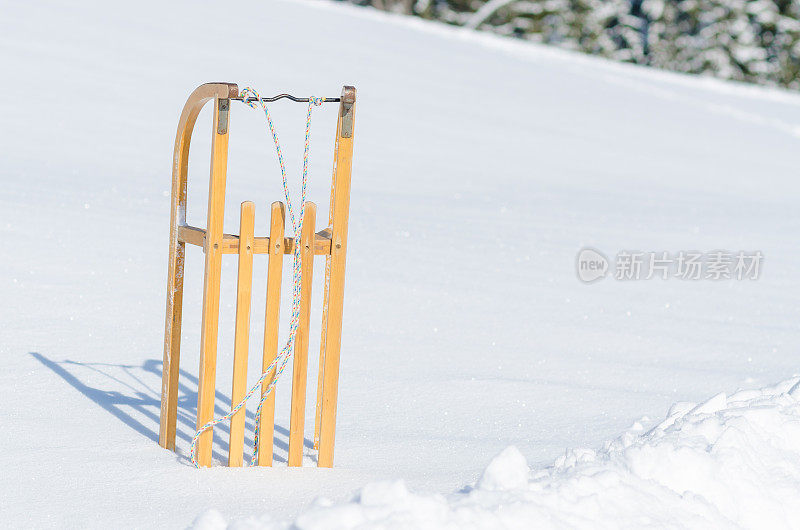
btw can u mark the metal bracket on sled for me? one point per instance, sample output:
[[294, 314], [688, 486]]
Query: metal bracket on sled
[[348, 100], [222, 125]]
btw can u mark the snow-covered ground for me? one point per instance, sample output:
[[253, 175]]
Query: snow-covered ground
[[481, 167], [729, 462]]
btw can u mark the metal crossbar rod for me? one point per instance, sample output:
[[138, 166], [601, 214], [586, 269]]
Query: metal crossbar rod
[[282, 96]]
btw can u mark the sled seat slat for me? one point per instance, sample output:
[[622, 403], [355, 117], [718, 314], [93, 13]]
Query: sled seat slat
[[230, 242]]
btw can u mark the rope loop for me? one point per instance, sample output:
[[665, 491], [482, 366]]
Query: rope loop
[[281, 360]]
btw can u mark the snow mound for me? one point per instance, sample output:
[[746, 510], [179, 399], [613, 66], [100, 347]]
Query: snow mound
[[730, 462], [507, 471], [210, 520]]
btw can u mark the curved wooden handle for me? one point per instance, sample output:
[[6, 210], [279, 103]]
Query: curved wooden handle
[[172, 333], [201, 95]]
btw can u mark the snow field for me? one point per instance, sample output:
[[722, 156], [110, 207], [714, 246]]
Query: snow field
[[481, 166]]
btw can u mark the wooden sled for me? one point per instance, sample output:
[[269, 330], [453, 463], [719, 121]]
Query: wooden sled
[[330, 242]]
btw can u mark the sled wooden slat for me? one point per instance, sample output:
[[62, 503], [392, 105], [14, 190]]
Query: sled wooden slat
[[272, 314], [213, 265], [300, 366], [230, 243], [242, 333], [321, 365], [343, 160]]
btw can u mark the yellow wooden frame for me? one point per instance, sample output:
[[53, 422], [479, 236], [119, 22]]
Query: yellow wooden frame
[[330, 242]]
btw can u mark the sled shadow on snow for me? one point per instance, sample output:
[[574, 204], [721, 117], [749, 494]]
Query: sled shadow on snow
[[138, 404]]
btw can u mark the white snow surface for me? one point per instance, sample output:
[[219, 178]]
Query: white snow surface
[[730, 462], [482, 165]]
